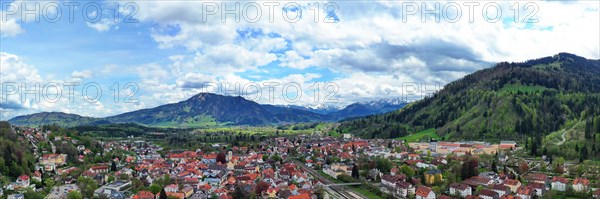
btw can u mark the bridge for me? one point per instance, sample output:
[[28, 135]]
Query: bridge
[[337, 190]]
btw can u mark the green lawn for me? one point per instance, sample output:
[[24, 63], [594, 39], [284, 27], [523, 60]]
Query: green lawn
[[421, 136], [365, 192], [334, 134]]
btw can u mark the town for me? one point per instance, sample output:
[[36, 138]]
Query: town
[[305, 166]]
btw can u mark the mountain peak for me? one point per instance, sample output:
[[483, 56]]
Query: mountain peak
[[564, 55], [203, 97]]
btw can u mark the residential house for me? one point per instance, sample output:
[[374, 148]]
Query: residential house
[[525, 192], [172, 188], [300, 196], [335, 170], [37, 176], [143, 195], [512, 184], [488, 194], [424, 192], [177, 195], [538, 178], [500, 189], [403, 189], [389, 180], [444, 197], [51, 161], [187, 191], [476, 181], [580, 184], [23, 181], [559, 183], [596, 194], [199, 195], [271, 193], [99, 169], [460, 189], [433, 176], [539, 188]]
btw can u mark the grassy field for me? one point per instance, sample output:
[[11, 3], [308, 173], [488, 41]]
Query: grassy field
[[365, 192], [253, 130], [513, 88], [421, 136]]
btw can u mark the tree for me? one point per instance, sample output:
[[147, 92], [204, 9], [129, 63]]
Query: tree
[[470, 167], [221, 158], [543, 166], [113, 166], [163, 194], [74, 195], [406, 170], [154, 188], [523, 167], [261, 187], [87, 186], [33, 194], [584, 154], [137, 184], [355, 173], [494, 166], [238, 192]]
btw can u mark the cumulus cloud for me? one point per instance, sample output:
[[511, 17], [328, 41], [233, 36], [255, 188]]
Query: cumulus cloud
[[81, 74], [372, 50], [102, 26], [10, 27]]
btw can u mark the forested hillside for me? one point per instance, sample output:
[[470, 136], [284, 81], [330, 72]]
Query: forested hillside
[[16, 158], [508, 101]]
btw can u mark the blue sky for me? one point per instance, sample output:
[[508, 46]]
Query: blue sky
[[355, 51]]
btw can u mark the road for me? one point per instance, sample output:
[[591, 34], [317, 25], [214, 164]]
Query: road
[[342, 191]]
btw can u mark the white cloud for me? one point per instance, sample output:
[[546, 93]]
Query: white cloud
[[102, 26], [10, 27], [81, 74]]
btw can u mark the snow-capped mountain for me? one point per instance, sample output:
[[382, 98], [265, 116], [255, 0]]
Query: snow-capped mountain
[[355, 109]]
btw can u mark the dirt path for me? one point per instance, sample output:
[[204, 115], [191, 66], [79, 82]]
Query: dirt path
[[563, 138]]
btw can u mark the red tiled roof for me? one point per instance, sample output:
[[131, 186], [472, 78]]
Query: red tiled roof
[[23, 177], [144, 195], [525, 190], [560, 179], [511, 182], [508, 197], [423, 191], [300, 196], [537, 177], [460, 186], [581, 181]]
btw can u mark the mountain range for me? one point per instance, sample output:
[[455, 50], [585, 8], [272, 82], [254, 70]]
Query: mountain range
[[207, 109]]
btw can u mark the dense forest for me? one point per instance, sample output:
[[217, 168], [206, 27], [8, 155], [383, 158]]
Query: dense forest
[[510, 101], [16, 157]]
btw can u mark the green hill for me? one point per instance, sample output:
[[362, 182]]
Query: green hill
[[508, 101]]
